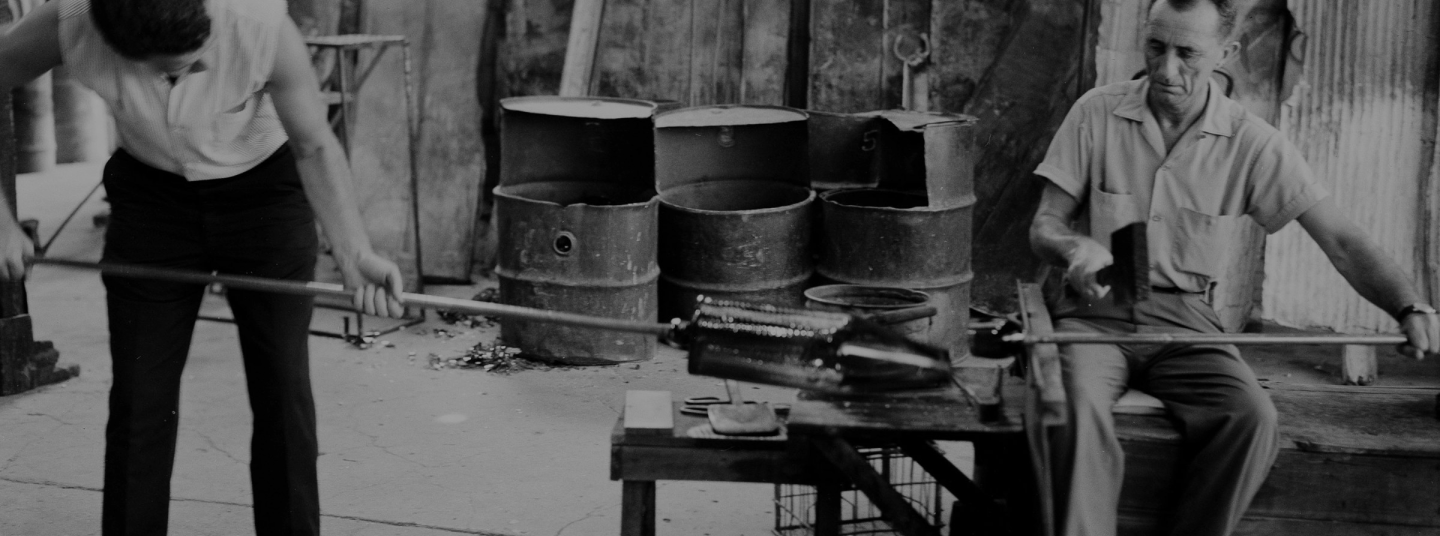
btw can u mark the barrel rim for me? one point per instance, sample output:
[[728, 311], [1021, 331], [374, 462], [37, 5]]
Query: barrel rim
[[966, 201], [508, 105], [815, 294], [916, 121], [501, 192], [809, 199], [671, 116]]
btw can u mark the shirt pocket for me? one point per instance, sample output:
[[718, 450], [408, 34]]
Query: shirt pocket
[[231, 122], [1109, 212], [1201, 242]]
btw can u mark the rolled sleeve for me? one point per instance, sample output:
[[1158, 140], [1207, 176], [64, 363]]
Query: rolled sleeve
[[1067, 161], [1282, 186]]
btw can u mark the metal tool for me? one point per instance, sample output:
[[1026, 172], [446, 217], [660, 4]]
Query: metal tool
[[823, 351]]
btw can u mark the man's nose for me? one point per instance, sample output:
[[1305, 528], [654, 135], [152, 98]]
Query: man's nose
[[1170, 67]]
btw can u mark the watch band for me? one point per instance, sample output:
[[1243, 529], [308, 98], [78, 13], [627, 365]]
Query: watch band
[[1422, 308]]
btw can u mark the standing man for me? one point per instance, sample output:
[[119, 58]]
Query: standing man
[[1170, 148], [224, 149]]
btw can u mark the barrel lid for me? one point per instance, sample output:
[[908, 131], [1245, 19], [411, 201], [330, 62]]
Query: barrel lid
[[581, 107], [727, 115], [908, 120]]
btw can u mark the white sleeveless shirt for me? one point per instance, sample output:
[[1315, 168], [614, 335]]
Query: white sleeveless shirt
[[214, 122]]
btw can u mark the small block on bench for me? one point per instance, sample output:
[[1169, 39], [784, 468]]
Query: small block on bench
[[1138, 403], [648, 413]]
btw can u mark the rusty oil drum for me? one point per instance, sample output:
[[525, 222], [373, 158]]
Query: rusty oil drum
[[735, 206], [866, 300], [575, 213], [918, 238]]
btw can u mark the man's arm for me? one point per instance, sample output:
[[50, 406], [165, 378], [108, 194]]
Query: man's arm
[[28, 49], [325, 175], [1371, 272], [1052, 239]]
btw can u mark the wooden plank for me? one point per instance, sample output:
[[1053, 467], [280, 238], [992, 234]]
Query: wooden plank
[[648, 412], [451, 165], [907, 21], [620, 64], [533, 53], [897, 510], [1360, 366], [766, 49], [718, 30], [1381, 423], [965, 39], [668, 40], [1301, 485], [845, 65], [797, 62], [1044, 358], [715, 465], [637, 508], [580, 48], [1150, 524], [947, 475], [1021, 97], [379, 151]]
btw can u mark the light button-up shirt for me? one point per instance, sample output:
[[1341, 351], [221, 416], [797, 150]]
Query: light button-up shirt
[[1109, 154]]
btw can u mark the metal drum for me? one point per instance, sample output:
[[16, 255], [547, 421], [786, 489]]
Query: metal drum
[[867, 300], [735, 206], [575, 213], [841, 150], [918, 238]]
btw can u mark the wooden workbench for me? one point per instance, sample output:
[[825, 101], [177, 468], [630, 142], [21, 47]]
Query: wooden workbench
[[820, 450]]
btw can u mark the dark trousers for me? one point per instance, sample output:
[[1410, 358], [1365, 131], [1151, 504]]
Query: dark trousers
[[256, 223], [1229, 425]]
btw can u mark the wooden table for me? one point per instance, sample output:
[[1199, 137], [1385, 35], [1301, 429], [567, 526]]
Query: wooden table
[[821, 451]]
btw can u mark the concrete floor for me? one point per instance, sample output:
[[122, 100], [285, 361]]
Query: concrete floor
[[405, 449]]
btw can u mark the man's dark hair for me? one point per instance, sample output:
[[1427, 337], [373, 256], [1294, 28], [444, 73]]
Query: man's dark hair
[[139, 29], [1228, 14]]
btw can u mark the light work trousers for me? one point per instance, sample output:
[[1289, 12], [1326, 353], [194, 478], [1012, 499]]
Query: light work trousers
[[1228, 423]]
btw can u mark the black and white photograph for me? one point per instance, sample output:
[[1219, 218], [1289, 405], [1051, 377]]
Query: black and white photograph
[[719, 267]]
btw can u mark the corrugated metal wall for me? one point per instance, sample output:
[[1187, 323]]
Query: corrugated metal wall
[[1360, 118]]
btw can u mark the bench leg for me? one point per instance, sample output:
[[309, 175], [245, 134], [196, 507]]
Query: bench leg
[[827, 509], [637, 508], [1360, 366]]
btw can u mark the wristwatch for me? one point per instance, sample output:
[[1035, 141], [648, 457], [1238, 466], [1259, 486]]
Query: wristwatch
[[1422, 308]]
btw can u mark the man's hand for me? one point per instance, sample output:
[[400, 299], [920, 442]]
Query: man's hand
[[1423, 330], [1085, 263], [377, 285], [16, 249]]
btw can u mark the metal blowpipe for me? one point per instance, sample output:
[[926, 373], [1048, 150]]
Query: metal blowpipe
[[1203, 338], [684, 333]]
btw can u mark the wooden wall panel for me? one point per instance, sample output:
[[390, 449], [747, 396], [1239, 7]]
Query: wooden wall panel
[[717, 31], [533, 54], [845, 65], [452, 156], [619, 63], [965, 39], [1020, 102], [668, 38], [767, 34], [379, 153]]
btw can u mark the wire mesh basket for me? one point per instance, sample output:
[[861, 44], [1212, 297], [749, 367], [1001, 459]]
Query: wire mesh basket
[[795, 504]]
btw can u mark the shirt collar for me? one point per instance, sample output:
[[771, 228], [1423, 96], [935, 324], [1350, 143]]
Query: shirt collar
[[1212, 121]]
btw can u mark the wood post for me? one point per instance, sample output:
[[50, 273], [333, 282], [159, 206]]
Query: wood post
[[637, 508], [580, 53], [1360, 366]]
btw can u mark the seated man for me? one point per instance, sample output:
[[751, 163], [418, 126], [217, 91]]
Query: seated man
[[1172, 149]]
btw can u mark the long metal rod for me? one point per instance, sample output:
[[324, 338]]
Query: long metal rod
[[1201, 338], [312, 288]]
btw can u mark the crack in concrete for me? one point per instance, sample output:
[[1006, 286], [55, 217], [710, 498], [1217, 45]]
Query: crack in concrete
[[405, 524], [211, 442], [587, 515]]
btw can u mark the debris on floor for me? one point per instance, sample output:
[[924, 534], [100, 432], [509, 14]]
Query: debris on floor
[[473, 321], [489, 357]]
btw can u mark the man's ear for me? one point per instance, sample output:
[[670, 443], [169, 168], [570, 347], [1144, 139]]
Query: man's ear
[[1228, 53]]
